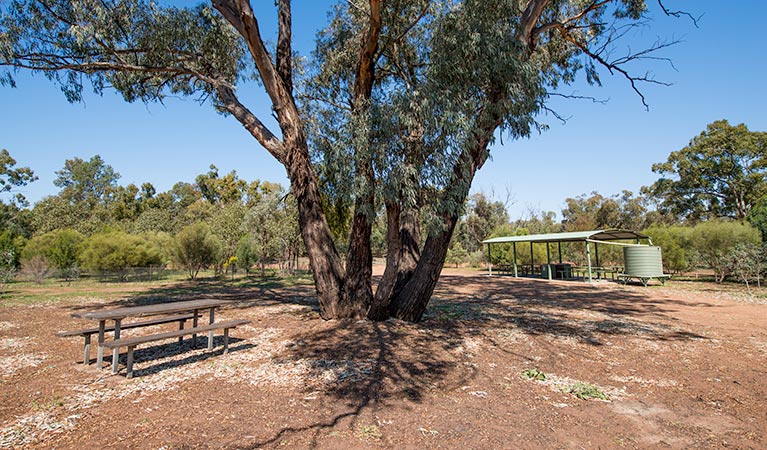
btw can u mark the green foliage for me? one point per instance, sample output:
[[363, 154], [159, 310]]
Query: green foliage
[[757, 217], [482, 217], [456, 254], [8, 267], [748, 262], [12, 177], [675, 243], [104, 43], [721, 173], [586, 391], [273, 232], [86, 183], [596, 212], [715, 240], [534, 374], [226, 223], [195, 247], [117, 251], [61, 248]]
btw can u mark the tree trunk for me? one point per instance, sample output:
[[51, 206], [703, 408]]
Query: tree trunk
[[411, 301], [324, 260], [403, 253]]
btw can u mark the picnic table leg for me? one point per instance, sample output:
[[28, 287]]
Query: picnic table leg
[[196, 315], [181, 327], [100, 353], [116, 351], [129, 364], [210, 333], [226, 340], [87, 355]]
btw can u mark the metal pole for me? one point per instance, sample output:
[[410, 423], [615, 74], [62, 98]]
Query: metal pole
[[596, 254], [489, 260], [559, 246], [588, 259], [514, 246], [532, 259], [548, 260]]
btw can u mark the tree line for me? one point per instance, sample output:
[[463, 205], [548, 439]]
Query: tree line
[[95, 224], [224, 222]]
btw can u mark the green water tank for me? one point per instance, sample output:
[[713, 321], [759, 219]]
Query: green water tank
[[643, 261]]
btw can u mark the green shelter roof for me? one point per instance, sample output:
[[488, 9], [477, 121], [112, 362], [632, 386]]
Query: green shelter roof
[[573, 236]]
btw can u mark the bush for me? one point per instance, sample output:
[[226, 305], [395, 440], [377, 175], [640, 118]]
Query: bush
[[675, 243], [61, 248], [195, 248], [117, 251], [715, 240]]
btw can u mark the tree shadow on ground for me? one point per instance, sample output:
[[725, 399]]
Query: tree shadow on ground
[[371, 364], [397, 361]]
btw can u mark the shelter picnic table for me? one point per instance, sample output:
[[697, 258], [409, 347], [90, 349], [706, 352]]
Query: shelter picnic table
[[180, 312]]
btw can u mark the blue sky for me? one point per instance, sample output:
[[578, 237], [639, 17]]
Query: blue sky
[[719, 74]]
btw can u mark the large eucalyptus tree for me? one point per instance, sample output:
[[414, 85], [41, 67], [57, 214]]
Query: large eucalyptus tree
[[415, 92]]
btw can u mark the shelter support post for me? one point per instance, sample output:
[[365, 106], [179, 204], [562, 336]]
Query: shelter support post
[[514, 248], [588, 259], [596, 254], [532, 259], [489, 261], [559, 248], [548, 260]]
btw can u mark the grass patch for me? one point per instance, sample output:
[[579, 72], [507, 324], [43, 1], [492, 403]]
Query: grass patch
[[369, 432], [534, 374], [585, 391]]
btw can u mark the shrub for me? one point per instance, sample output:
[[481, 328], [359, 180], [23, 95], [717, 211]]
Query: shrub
[[195, 248], [715, 240], [117, 251], [60, 247]]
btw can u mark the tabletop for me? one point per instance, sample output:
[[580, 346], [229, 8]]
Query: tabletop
[[150, 310]]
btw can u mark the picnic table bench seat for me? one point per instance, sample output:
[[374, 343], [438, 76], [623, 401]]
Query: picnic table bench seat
[[132, 342], [88, 332]]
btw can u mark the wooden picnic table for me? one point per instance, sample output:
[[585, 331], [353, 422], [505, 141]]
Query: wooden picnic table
[[118, 314]]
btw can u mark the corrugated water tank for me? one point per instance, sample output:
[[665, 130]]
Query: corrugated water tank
[[643, 261]]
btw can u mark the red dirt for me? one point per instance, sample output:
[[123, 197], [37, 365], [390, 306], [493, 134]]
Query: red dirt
[[682, 366]]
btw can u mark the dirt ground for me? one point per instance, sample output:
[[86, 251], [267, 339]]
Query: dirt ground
[[680, 366]]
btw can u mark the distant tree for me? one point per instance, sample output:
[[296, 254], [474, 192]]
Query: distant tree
[[125, 204], [482, 216], [8, 267], [247, 256], [714, 241], [86, 182], [721, 173], [594, 212], [226, 223], [227, 189], [456, 254], [195, 248], [757, 217], [747, 261], [12, 177], [265, 222]]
